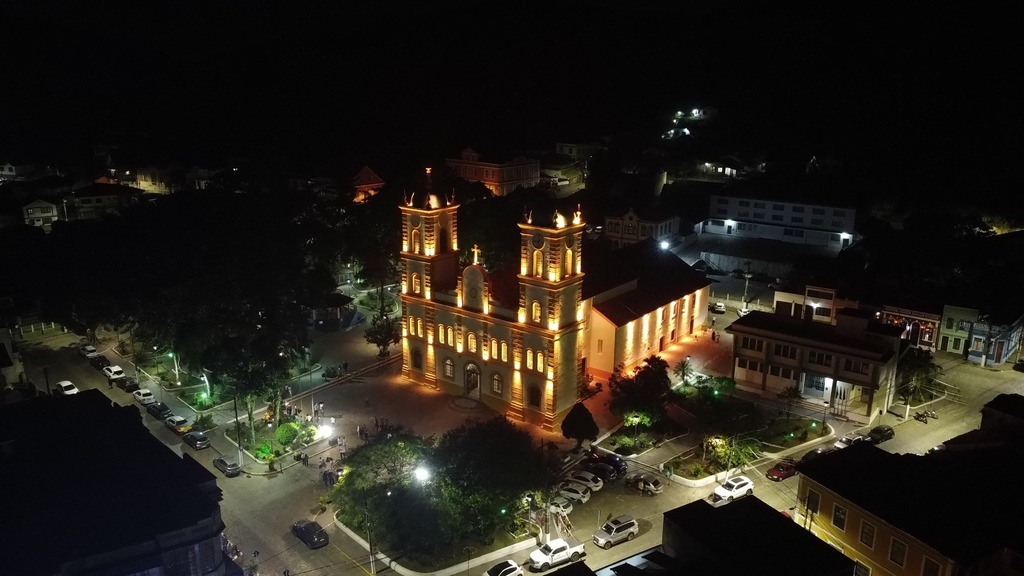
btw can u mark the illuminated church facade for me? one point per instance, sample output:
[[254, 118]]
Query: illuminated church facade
[[524, 352]]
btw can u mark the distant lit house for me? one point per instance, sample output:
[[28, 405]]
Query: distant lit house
[[520, 341], [152, 180], [985, 339], [501, 178], [12, 170], [40, 213], [637, 224], [97, 200], [366, 184], [787, 221], [577, 150]]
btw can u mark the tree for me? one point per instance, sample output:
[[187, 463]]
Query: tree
[[915, 370], [382, 332], [579, 425], [684, 371], [789, 397], [643, 392], [735, 452]]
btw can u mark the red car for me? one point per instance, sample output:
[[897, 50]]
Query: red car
[[784, 469]]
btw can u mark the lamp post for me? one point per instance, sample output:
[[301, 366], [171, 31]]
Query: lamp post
[[177, 376], [238, 430]]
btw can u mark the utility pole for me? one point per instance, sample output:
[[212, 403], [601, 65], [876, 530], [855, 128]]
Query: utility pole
[[238, 429]]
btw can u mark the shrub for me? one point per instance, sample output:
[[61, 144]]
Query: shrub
[[287, 433], [203, 423], [696, 471], [307, 434], [803, 434], [263, 451], [271, 463]]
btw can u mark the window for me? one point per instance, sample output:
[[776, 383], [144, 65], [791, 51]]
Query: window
[[839, 213], [600, 346], [451, 339], [817, 222], [496, 384], [759, 215], [749, 364], [412, 325], [813, 501], [867, 534], [777, 217], [897, 552], [471, 342], [861, 570], [533, 396], [797, 219], [930, 567], [758, 204], [819, 358], [417, 360], [529, 359], [440, 333], [722, 200], [415, 283], [949, 323], [535, 313], [818, 211], [717, 222], [419, 327], [839, 517], [744, 213], [504, 351], [837, 224], [494, 348], [798, 209], [785, 350], [977, 344], [744, 203], [856, 366], [540, 361], [778, 207], [819, 294], [752, 344], [449, 368]]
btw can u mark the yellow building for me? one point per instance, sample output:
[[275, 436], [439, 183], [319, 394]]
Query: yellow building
[[522, 345]]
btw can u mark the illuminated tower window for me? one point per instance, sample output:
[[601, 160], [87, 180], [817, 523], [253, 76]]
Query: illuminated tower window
[[540, 361], [568, 262], [451, 338], [440, 333], [538, 263], [529, 359], [412, 325], [504, 351], [471, 342], [535, 311], [494, 348], [419, 327], [415, 283]]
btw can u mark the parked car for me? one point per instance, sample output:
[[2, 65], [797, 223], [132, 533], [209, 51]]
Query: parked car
[[311, 534], [575, 492], [783, 469], [114, 372], [735, 487], [555, 552], [816, 453], [505, 568], [849, 439], [177, 423], [718, 307], [645, 484], [128, 384], [158, 410], [588, 479], [228, 466], [99, 362], [88, 351], [560, 504], [881, 433], [603, 471], [196, 439], [616, 530], [144, 396], [66, 388], [613, 460]]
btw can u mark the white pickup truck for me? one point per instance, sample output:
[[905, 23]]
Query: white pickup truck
[[555, 552]]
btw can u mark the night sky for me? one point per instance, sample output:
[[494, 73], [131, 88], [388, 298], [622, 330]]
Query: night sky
[[901, 92]]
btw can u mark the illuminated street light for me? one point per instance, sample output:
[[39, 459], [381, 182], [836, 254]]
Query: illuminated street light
[[421, 474], [664, 244]]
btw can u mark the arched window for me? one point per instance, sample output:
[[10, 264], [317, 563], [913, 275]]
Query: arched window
[[504, 351], [440, 333], [412, 325], [496, 384], [449, 368], [529, 359], [416, 283], [451, 339], [417, 360], [419, 327], [538, 263], [471, 342], [415, 242], [535, 311], [533, 396], [494, 348], [568, 263], [540, 361]]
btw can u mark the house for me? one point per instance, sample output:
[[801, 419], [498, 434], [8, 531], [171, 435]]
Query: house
[[97, 199], [520, 341], [41, 213], [366, 183], [744, 537], [638, 223], [984, 339], [16, 170], [577, 150], [175, 531], [906, 514], [796, 222], [501, 178], [850, 366]]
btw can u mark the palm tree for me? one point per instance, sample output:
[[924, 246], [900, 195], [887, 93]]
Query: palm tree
[[915, 370]]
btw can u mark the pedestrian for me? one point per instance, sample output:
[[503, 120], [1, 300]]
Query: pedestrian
[[376, 423], [359, 431], [713, 321], [332, 420], [321, 462], [305, 460], [344, 366]]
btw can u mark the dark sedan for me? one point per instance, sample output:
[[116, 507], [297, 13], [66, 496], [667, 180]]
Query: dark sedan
[[197, 440], [128, 384], [311, 534], [99, 362], [881, 433], [159, 410], [603, 471], [613, 460]]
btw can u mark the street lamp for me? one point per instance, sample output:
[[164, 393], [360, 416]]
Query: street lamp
[[177, 376], [421, 474], [206, 381]]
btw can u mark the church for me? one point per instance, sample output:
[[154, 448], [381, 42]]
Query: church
[[522, 341]]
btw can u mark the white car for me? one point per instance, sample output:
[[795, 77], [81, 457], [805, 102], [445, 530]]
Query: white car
[[177, 423], [144, 396], [588, 479], [718, 308], [560, 505], [735, 487], [113, 372], [575, 492], [88, 351], [66, 388], [850, 439], [505, 568]]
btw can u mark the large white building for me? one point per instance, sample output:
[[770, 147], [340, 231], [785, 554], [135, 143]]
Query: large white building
[[813, 224]]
